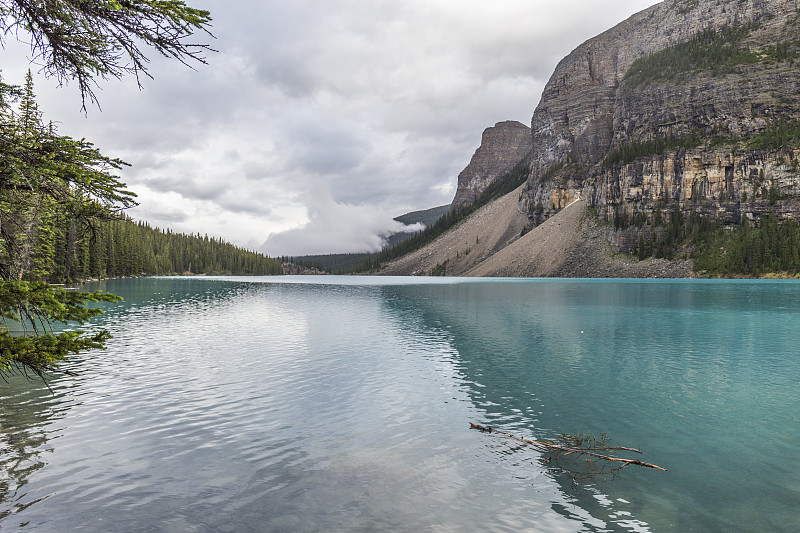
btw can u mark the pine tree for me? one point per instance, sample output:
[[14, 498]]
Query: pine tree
[[44, 176]]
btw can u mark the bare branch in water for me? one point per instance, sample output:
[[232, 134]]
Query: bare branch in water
[[579, 456]]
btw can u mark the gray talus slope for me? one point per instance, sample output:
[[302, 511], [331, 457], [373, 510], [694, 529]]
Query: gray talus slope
[[488, 244], [485, 232], [572, 244]]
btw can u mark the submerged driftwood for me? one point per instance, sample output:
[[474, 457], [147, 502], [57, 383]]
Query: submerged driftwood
[[570, 447]]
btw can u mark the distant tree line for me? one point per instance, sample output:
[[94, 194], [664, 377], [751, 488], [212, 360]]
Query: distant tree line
[[768, 246], [631, 151], [120, 248], [332, 263], [751, 248], [68, 250], [667, 233]]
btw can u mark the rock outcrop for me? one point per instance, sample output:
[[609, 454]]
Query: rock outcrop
[[502, 147], [590, 109]]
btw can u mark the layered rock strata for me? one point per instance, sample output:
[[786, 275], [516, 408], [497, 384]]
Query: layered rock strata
[[502, 147], [589, 109]]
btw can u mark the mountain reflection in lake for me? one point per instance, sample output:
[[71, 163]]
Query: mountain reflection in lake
[[343, 404]]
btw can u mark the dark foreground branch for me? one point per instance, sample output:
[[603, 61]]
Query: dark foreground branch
[[582, 445]]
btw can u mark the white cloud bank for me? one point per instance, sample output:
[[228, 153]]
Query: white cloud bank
[[319, 121]]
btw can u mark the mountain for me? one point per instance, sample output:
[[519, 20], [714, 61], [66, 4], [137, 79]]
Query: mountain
[[679, 121], [690, 104], [502, 147], [493, 241]]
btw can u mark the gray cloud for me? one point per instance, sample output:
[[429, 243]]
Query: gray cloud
[[187, 187], [165, 216], [322, 147], [319, 121]]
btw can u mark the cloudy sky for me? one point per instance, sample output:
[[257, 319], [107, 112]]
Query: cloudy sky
[[318, 121]]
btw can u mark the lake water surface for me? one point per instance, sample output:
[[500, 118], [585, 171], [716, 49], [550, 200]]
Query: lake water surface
[[343, 404]]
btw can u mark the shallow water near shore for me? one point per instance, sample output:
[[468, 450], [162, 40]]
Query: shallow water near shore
[[343, 404]]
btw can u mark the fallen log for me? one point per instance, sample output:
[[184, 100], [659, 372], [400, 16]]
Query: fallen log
[[582, 445]]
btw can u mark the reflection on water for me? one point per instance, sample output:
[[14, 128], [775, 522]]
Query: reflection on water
[[290, 405], [29, 417], [677, 369]]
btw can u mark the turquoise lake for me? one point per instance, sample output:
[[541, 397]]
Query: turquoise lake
[[343, 404]]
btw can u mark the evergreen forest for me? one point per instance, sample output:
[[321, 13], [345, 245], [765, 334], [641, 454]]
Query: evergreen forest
[[749, 249], [121, 248], [717, 52], [56, 233]]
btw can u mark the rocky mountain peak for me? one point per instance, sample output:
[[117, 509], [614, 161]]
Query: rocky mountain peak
[[576, 112], [737, 76], [502, 146]]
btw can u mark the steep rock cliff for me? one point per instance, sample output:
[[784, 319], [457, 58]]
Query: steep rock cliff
[[502, 147], [707, 114]]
